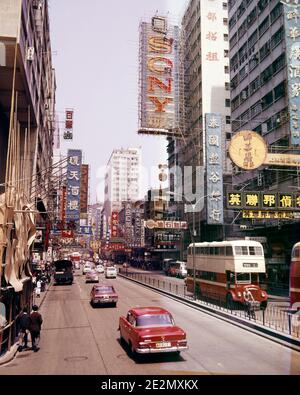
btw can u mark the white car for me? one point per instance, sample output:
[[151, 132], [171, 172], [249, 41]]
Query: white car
[[110, 272], [86, 268], [100, 269]]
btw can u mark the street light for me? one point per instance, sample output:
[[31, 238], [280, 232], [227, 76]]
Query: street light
[[194, 234]]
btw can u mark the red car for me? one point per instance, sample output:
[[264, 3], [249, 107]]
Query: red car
[[151, 330], [103, 294], [92, 277]]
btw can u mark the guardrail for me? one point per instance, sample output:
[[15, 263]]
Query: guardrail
[[273, 317]]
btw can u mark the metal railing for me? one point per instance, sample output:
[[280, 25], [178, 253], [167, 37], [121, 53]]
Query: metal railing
[[274, 317]]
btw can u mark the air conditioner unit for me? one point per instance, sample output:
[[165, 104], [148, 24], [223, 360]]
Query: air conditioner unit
[[30, 53]]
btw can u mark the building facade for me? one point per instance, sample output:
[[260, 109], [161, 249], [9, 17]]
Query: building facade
[[122, 180], [205, 89], [27, 114], [259, 102]]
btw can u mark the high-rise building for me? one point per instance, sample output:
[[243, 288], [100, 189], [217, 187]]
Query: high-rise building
[[260, 102], [122, 179], [205, 89]]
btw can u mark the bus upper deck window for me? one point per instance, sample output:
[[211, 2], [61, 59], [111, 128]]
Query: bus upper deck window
[[258, 251], [296, 253], [229, 251]]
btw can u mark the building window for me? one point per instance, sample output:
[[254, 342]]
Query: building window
[[225, 21], [226, 69], [226, 53], [224, 5], [225, 37], [228, 120], [227, 102], [263, 26], [227, 86]]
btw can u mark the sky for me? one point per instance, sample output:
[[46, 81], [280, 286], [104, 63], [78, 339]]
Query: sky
[[95, 55]]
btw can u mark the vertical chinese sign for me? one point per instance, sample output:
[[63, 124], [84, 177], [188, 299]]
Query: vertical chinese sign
[[114, 224], [128, 223], [73, 186], [159, 77], [84, 189], [214, 169], [292, 39], [68, 134]]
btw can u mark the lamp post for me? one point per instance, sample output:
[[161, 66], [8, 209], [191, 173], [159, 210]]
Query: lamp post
[[194, 233]]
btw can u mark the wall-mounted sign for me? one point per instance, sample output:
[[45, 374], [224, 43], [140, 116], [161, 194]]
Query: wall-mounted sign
[[114, 224], [248, 151], [159, 76], [249, 214], [292, 41], [214, 169], [263, 200], [152, 224], [73, 187], [68, 133]]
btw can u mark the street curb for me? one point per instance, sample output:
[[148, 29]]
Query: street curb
[[268, 333], [9, 355]]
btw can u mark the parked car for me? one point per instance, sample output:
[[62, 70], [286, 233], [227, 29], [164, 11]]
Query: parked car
[[103, 294], [92, 277], [86, 268], [151, 330], [100, 269], [111, 272]]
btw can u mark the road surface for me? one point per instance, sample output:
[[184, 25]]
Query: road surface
[[77, 339]]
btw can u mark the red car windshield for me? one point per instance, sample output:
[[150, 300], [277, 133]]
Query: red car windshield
[[106, 290], [154, 320]]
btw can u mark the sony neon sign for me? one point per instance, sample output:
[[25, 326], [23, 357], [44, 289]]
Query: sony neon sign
[[158, 71]]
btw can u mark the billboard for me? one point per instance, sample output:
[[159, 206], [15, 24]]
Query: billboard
[[84, 187], [214, 169], [159, 77], [73, 187], [292, 40]]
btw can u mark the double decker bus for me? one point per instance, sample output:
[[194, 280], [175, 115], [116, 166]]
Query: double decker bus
[[295, 276], [226, 271]]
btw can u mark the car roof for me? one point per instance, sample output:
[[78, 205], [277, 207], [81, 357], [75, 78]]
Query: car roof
[[137, 311]]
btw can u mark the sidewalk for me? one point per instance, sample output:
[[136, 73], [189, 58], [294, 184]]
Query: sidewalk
[[12, 353]]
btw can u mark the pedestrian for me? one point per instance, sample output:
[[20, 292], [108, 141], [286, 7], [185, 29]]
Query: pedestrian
[[24, 321], [248, 298], [38, 288], [35, 327]]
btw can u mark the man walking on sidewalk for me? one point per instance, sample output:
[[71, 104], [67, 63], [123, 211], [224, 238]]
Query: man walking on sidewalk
[[35, 326], [24, 329]]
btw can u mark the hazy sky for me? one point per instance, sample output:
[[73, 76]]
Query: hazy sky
[[95, 54]]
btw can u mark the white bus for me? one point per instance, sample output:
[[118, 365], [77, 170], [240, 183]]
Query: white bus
[[226, 270]]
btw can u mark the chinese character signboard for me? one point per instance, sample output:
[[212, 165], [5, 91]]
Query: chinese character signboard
[[263, 200], [114, 224], [151, 224], [214, 169], [159, 70], [68, 134], [73, 186], [84, 189], [292, 40]]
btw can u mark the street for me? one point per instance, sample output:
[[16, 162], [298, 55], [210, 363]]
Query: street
[[77, 339]]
